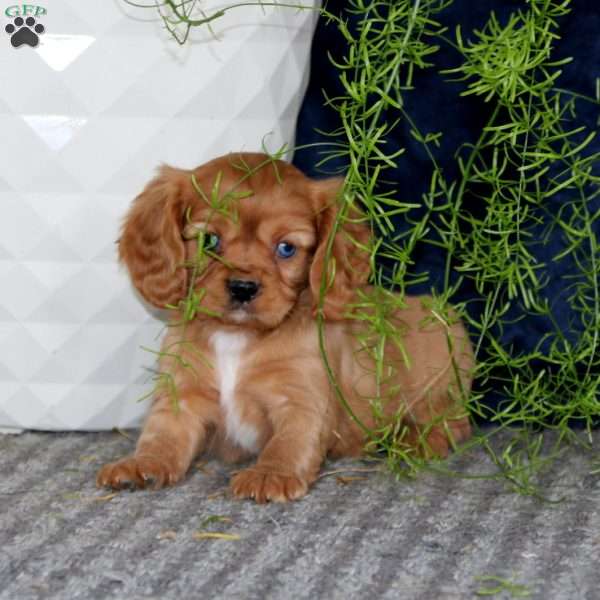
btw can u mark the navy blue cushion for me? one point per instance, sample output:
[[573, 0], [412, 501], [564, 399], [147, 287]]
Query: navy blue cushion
[[435, 105]]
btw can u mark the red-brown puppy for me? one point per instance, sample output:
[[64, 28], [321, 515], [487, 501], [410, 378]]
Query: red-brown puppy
[[247, 368]]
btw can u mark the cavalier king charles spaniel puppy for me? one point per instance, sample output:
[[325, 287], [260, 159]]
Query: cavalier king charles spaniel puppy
[[245, 360]]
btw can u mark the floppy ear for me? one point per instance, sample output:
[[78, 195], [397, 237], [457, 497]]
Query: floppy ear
[[151, 244], [349, 263]]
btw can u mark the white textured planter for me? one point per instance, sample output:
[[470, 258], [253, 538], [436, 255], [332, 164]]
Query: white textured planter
[[85, 118]]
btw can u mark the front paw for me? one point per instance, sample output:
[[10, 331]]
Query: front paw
[[263, 485], [137, 473]]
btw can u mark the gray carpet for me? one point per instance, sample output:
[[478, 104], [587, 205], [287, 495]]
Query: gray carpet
[[359, 534]]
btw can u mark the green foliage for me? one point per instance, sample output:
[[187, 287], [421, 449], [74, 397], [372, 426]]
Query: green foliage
[[527, 153], [494, 585], [530, 149]]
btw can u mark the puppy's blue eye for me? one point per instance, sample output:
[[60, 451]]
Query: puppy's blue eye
[[211, 242], [285, 250]]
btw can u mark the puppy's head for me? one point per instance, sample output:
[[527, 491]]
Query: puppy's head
[[241, 238]]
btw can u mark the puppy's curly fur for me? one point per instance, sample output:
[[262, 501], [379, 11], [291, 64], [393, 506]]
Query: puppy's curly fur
[[255, 383]]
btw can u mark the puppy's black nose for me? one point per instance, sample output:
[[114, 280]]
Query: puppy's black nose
[[242, 290]]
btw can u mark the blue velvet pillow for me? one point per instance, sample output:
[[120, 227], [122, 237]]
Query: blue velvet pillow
[[435, 105]]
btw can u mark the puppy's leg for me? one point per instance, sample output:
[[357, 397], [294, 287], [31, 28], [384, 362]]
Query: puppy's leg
[[437, 424], [169, 442], [436, 441], [289, 462]]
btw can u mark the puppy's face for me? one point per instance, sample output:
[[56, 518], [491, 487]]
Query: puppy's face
[[241, 237], [259, 245]]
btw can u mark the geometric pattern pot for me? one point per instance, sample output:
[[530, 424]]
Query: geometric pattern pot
[[85, 118]]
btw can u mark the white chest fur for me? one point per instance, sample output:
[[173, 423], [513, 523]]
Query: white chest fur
[[228, 349]]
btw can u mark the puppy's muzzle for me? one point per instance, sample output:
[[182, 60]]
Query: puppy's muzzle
[[242, 290]]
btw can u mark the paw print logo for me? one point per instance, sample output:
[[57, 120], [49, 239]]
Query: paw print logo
[[24, 31]]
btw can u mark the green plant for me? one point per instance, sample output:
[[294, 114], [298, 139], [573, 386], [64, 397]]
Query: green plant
[[496, 585]]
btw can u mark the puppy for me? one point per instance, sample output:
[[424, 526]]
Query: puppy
[[237, 249]]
